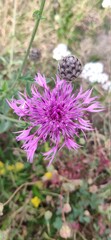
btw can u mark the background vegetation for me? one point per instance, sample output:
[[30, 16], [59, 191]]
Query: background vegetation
[[74, 195]]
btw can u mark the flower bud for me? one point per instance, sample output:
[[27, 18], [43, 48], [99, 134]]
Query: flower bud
[[66, 208], [69, 68], [93, 189], [90, 181], [48, 215], [87, 213], [65, 231], [34, 54], [48, 199]]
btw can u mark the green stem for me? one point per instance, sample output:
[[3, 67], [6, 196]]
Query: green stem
[[80, 234], [11, 119], [32, 38], [26, 184], [51, 193], [13, 33]]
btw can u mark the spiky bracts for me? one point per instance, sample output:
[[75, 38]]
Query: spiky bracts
[[69, 68]]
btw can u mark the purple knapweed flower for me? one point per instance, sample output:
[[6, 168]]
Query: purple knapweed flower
[[56, 115]]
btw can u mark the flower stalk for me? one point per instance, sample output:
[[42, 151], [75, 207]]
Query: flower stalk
[[32, 37]]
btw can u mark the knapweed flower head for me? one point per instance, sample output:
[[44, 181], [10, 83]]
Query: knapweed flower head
[[57, 115]]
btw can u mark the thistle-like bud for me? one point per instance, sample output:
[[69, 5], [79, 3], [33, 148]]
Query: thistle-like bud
[[34, 54], [69, 68]]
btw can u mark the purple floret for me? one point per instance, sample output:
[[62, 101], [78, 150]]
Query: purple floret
[[56, 115]]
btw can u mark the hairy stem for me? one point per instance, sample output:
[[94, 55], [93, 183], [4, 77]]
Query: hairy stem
[[13, 32], [32, 37]]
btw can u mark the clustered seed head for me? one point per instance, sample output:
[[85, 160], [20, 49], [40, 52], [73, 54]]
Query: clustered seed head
[[69, 68]]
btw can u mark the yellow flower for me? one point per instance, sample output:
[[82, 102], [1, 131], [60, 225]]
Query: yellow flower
[[1, 164], [19, 166], [47, 176], [10, 167], [2, 171], [35, 201]]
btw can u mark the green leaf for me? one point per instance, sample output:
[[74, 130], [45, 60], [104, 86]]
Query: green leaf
[[84, 219], [3, 60], [27, 78], [4, 126], [58, 223], [28, 87], [87, 219], [40, 170], [36, 14], [77, 211], [95, 201], [5, 107], [36, 192], [4, 86]]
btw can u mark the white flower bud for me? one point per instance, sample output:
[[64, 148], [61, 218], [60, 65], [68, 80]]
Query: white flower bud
[[66, 208], [48, 215], [65, 231]]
